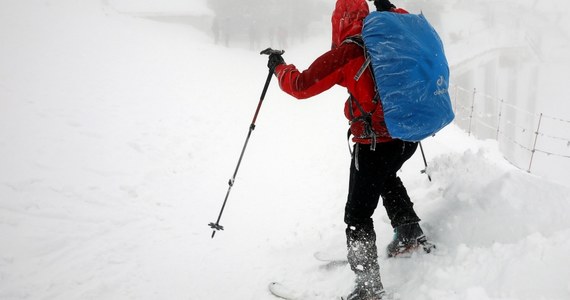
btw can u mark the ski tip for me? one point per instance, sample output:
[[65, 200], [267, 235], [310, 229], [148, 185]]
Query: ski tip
[[280, 291]]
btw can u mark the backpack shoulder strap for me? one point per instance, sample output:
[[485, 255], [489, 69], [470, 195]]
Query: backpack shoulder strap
[[357, 39]]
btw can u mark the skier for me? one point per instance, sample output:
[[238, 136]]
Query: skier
[[376, 156]]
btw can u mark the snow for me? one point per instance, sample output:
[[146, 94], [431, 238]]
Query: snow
[[118, 136]]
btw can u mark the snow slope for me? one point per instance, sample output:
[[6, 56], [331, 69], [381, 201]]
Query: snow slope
[[118, 135]]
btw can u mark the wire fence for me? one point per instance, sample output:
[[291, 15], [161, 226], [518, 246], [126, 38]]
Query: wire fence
[[520, 132]]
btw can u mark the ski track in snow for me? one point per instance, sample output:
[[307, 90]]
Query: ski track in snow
[[118, 135]]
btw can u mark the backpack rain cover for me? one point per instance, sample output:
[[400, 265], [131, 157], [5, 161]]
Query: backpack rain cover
[[411, 74]]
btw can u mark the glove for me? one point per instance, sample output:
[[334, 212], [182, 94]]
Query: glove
[[274, 61]]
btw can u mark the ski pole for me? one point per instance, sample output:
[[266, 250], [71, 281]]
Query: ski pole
[[425, 162], [216, 226]]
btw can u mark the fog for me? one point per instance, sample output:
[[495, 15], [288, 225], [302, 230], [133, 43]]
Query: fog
[[121, 121], [511, 52], [260, 22], [251, 23]]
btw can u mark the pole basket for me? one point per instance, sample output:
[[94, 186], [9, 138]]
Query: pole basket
[[216, 226]]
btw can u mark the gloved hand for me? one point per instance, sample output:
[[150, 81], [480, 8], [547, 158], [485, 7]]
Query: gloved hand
[[275, 60]]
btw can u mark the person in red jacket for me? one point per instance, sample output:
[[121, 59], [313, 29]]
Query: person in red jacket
[[376, 156]]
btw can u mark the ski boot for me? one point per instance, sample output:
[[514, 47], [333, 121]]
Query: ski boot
[[364, 291], [363, 260], [407, 239]]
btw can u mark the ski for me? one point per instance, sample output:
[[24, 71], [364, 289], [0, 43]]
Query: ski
[[325, 257], [331, 262], [282, 292]]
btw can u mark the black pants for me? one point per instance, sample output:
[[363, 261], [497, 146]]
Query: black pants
[[377, 178]]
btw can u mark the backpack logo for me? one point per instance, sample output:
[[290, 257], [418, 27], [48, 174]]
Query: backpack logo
[[441, 87]]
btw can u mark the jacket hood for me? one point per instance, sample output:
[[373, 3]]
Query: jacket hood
[[347, 19]]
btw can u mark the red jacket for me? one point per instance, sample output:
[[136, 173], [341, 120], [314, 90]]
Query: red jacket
[[339, 66]]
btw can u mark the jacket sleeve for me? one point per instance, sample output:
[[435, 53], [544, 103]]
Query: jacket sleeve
[[324, 73]]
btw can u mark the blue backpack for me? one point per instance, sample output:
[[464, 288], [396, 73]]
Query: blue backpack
[[411, 73]]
